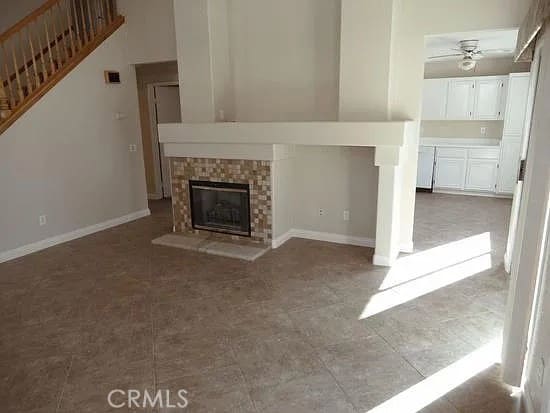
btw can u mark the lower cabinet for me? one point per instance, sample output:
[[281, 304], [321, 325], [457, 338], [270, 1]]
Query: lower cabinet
[[481, 175], [466, 169], [449, 173], [509, 165]]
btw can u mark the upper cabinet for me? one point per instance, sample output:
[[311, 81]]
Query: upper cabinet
[[489, 98], [516, 104], [434, 103], [460, 99], [470, 98]]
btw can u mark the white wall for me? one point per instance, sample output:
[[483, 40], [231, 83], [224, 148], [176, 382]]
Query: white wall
[[13, 11], [151, 30], [336, 179], [285, 59], [67, 157], [283, 195]]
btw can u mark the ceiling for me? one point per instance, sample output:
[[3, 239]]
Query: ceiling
[[495, 39]]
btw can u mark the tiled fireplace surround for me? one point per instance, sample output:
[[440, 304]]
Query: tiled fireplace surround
[[255, 173]]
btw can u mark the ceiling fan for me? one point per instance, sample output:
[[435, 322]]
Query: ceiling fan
[[470, 53]]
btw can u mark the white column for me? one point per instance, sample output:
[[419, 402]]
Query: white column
[[194, 48], [388, 236]]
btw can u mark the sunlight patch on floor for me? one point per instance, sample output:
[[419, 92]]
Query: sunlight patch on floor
[[411, 290], [413, 266], [422, 394]]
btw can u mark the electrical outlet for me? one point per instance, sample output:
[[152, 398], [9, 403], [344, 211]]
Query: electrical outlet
[[346, 215], [42, 220], [132, 147], [483, 131], [321, 212]]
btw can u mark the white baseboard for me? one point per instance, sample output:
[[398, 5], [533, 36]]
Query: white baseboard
[[382, 261], [280, 240], [322, 236], [69, 236]]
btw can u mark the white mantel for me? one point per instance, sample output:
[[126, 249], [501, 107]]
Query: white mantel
[[275, 140], [390, 133]]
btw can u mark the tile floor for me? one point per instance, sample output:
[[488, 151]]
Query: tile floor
[[293, 331]]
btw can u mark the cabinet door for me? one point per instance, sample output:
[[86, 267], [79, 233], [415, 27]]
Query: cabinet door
[[434, 99], [460, 99], [449, 173], [488, 94], [516, 103], [508, 166], [424, 175], [481, 175]]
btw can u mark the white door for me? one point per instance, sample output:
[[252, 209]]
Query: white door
[[424, 176], [516, 103], [434, 99], [449, 173], [460, 99], [167, 105], [481, 175], [488, 98], [508, 165]]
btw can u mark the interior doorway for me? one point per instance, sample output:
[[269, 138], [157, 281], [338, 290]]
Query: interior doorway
[[164, 105]]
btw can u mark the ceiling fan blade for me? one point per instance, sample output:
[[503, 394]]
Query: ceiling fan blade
[[446, 55], [497, 50]]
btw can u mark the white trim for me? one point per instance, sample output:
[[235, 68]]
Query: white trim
[[154, 197], [280, 240], [407, 247], [69, 236], [323, 236], [336, 238], [159, 190], [383, 261], [470, 193]]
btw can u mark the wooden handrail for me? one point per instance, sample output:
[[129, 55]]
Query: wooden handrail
[[44, 46]]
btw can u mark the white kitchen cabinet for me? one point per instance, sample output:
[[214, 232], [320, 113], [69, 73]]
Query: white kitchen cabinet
[[426, 158], [434, 99], [516, 103], [508, 165], [460, 99], [488, 98], [450, 173], [481, 175]]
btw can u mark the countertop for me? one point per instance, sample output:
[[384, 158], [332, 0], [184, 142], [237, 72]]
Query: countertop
[[459, 142]]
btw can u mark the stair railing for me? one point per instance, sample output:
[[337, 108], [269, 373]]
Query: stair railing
[[41, 48]]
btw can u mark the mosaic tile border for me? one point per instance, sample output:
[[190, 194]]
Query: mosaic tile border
[[257, 174]]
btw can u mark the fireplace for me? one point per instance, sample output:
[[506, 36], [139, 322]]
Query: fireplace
[[220, 207]]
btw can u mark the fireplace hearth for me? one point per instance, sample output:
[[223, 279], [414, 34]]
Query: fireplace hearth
[[220, 207]]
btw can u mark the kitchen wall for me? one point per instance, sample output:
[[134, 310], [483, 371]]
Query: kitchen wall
[[484, 67], [68, 157], [147, 74]]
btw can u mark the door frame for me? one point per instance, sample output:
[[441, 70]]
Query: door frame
[[155, 144], [526, 247]]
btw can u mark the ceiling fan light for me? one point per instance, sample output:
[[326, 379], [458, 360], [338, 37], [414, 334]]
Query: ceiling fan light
[[466, 64]]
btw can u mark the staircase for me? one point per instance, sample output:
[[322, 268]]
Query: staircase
[[39, 50]]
